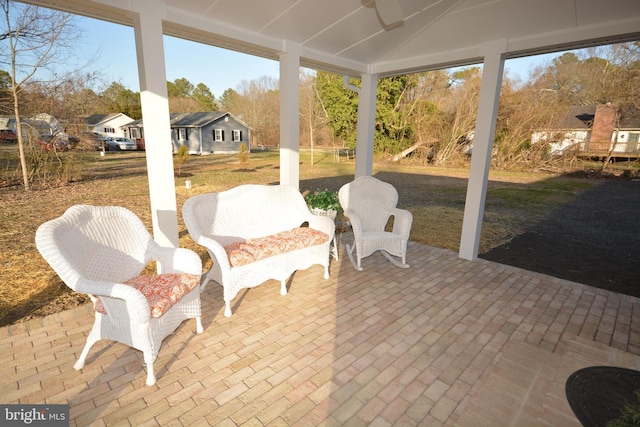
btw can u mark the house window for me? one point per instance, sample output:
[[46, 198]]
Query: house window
[[218, 135], [236, 135], [109, 130], [182, 134], [633, 137]]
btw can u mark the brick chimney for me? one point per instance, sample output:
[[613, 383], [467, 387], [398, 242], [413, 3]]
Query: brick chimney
[[603, 123]]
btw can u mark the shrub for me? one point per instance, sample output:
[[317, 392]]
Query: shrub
[[181, 156], [243, 154]]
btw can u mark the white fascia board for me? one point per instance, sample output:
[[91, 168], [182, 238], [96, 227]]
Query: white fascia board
[[575, 38], [116, 11], [198, 28], [467, 56], [312, 58]]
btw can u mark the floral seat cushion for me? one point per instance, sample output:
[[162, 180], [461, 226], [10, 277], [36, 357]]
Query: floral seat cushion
[[162, 291], [242, 253]]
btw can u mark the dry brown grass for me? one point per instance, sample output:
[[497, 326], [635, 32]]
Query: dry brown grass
[[29, 288]]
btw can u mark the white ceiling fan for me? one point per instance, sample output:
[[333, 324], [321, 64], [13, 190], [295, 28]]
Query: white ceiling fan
[[390, 11]]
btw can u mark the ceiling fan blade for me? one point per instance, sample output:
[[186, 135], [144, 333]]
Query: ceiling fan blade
[[390, 11]]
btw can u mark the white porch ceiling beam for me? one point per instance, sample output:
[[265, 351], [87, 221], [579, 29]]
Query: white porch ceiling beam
[[482, 147], [155, 114], [290, 115]]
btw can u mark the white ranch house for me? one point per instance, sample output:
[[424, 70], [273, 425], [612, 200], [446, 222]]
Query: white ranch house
[[593, 131], [107, 124]]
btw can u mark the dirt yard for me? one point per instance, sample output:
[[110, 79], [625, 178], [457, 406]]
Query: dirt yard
[[594, 239], [580, 228]]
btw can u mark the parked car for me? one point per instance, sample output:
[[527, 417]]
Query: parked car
[[120, 143], [7, 135], [92, 141], [50, 142]]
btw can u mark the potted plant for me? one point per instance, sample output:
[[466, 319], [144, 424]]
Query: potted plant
[[323, 202]]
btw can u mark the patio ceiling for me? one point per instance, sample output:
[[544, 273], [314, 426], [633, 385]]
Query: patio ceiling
[[348, 36]]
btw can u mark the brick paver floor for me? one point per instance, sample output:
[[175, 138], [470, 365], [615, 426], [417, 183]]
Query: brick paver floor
[[446, 342]]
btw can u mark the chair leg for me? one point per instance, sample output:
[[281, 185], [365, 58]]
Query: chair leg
[[355, 264], [199, 328], [227, 309], [283, 287], [204, 284], [326, 271], [151, 376], [94, 337], [333, 248]]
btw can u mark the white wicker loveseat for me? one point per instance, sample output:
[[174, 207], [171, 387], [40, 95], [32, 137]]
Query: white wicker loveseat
[[101, 251], [253, 233]]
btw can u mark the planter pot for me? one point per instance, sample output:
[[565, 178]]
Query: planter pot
[[330, 213]]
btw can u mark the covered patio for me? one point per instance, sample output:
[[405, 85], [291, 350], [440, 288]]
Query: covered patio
[[447, 342], [454, 340], [365, 39]]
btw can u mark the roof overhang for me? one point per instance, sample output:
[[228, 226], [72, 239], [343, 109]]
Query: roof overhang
[[348, 37]]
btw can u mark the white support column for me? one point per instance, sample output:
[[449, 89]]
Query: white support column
[[482, 147], [290, 115], [366, 124], [157, 130]]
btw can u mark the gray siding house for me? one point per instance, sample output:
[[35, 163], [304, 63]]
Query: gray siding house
[[209, 132], [205, 132]]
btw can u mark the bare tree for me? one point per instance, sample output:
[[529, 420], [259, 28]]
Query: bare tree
[[459, 112], [522, 112], [66, 99], [428, 119], [257, 103], [618, 82], [35, 39], [311, 113]]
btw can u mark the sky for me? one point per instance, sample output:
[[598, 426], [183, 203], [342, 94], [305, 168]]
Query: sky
[[113, 47]]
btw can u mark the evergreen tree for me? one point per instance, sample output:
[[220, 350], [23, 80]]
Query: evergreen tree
[[203, 96]]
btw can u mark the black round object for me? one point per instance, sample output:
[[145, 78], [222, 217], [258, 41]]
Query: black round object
[[598, 394]]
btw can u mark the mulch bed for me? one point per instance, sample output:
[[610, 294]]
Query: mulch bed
[[594, 240]]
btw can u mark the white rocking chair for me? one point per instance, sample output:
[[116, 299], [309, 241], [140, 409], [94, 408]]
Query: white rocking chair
[[369, 203]]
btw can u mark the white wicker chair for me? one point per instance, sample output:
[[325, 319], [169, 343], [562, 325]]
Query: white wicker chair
[[95, 250], [369, 203]]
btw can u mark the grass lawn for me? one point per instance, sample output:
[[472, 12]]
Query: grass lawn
[[435, 196]]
